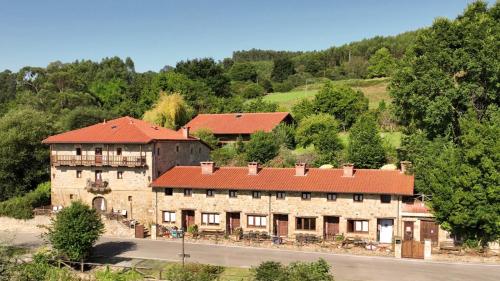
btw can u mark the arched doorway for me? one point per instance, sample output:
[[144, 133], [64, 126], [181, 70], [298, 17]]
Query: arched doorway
[[99, 203]]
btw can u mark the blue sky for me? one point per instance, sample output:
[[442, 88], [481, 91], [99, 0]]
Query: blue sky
[[157, 33]]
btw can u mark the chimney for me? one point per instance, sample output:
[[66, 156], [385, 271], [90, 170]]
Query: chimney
[[300, 169], [185, 132], [405, 166], [253, 168], [348, 170], [207, 168]]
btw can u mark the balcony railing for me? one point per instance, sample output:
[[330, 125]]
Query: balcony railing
[[97, 186], [98, 160]]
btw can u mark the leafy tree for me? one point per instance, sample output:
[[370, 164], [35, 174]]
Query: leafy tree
[[170, 112], [463, 178], [329, 148], [207, 71], [381, 64], [260, 105], [314, 271], [253, 91], [261, 147], [75, 230], [285, 135], [243, 71], [269, 271], [365, 148], [24, 158], [207, 136], [344, 103], [310, 129], [283, 67], [452, 67], [302, 109], [84, 116], [267, 85]]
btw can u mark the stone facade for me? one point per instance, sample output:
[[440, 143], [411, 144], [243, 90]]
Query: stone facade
[[268, 205], [128, 185]]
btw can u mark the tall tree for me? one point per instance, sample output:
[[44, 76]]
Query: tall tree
[[170, 111], [381, 64], [365, 149], [261, 147], [453, 66], [283, 67], [206, 70], [344, 103]]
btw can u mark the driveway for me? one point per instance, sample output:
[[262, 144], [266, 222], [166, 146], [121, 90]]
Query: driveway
[[345, 267]]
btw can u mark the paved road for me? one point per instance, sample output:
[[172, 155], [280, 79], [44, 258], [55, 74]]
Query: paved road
[[345, 267]]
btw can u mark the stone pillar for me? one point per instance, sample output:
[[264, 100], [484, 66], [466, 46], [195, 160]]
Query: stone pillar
[[398, 243], [427, 249], [153, 231]]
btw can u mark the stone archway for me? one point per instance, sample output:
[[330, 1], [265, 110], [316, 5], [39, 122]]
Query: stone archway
[[99, 203]]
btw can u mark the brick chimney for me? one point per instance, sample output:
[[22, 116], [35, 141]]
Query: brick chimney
[[348, 170], [185, 132], [405, 166], [207, 168], [300, 169], [253, 168]]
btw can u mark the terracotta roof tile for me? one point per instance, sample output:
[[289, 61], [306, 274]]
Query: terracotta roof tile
[[120, 130], [284, 179], [238, 123]]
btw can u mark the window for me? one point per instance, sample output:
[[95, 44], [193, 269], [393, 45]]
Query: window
[[98, 175], [119, 151], [71, 197], [357, 197], [199, 149], [256, 194], [119, 174], [210, 219], [331, 196], [210, 193], [191, 150], [158, 173], [305, 224], [169, 191], [385, 198], [280, 195], [79, 151], [168, 216], [306, 195], [177, 148], [78, 174], [357, 226], [188, 192], [233, 193], [129, 198], [256, 221]]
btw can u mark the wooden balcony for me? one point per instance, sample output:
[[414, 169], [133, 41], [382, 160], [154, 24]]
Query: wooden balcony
[[97, 186], [97, 160]]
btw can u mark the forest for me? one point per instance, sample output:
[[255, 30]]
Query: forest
[[443, 83]]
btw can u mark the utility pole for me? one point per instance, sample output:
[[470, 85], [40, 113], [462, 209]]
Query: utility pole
[[183, 255]]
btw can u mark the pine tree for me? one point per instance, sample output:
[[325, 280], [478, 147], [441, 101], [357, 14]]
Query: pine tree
[[365, 148]]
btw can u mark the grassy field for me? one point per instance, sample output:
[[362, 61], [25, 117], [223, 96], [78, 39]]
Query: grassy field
[[374, 89]]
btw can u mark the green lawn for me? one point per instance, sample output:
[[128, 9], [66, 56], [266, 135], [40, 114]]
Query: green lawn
[[374, 89]]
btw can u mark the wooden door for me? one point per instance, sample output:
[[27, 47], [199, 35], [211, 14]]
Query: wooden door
[[98, 155], [232, 222], [331, 227], [408, 231], [429, 230], [412, 249], [281, 225], [187, 218]]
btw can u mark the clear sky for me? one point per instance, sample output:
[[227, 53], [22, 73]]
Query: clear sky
[[157, 33]]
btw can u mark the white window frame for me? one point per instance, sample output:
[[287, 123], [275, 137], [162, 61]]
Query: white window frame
[[210, 218], [169, 216], [256, 221]]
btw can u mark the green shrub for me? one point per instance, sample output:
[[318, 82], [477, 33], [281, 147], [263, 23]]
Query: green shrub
[[21, 207], [297, 271], [41, 268], [193, 272], [119, 275], [193, 229], [253, 91], [269, 271]]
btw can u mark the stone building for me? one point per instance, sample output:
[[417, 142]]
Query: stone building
[[228, 127], [284, 201], [111, 165]]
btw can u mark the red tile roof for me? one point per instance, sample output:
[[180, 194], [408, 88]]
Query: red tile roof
[[284, 179], [238, 123], [121, 130]]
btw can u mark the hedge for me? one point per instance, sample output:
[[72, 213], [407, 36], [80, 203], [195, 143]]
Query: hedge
[[21, 207]]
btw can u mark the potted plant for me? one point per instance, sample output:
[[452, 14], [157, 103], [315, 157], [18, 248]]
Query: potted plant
[[192, 230]]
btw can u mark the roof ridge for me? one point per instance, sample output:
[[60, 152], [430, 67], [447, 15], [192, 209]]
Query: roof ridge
[[231, 113]]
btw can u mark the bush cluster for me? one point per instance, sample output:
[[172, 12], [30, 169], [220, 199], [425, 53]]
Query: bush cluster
[[21, 207]]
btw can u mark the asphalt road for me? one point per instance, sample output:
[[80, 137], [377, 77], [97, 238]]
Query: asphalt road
[[345, 267]]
